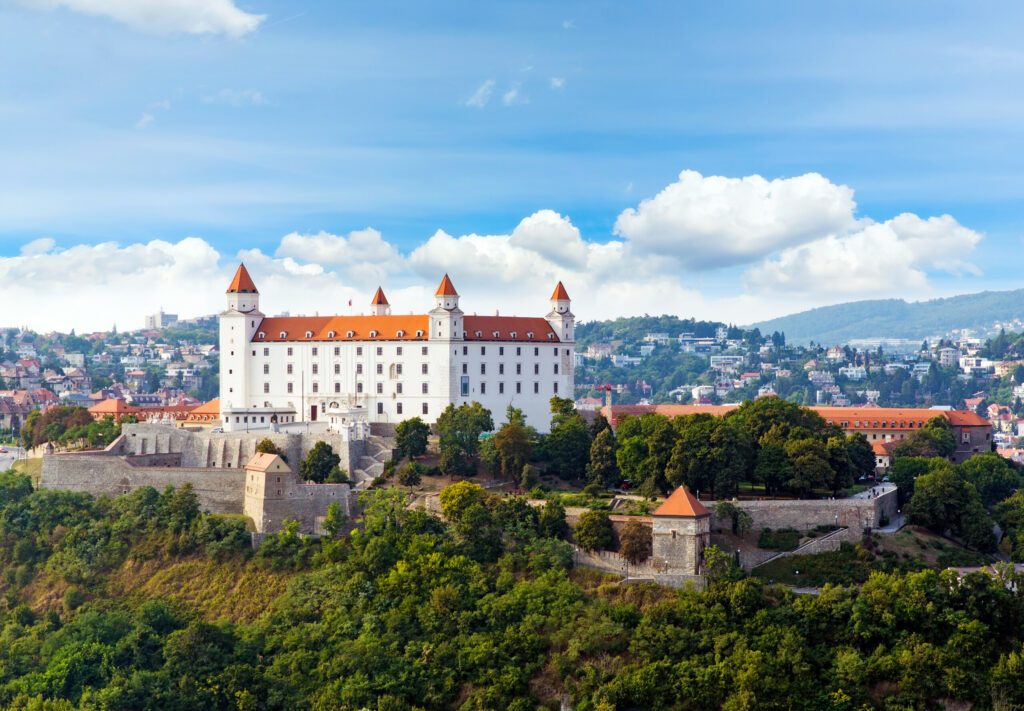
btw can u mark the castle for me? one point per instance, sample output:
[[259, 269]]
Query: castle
[[384, 368]]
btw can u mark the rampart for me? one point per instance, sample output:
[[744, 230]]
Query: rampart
[[218, 490]]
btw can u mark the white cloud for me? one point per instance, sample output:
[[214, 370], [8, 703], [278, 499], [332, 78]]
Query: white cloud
[[482, 95], [145, 121], [513, 95], [557, 83], [881, 259], [363, 257], [702, 222], [238, 97], [822, 254], [569, 24], [218, 17]]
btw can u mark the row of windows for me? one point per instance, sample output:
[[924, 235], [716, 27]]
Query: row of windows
[[501, 388], [501, 369], [337, 351], [359, 388], [424, 408], [519, 350]]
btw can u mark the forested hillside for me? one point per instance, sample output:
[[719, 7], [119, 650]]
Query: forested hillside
[[481, 613], [895, 318]]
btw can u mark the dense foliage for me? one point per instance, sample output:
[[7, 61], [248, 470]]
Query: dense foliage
[[480, 613], [70, 426]]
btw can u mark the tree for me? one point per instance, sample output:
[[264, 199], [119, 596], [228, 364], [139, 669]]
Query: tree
[[594, 531], [513, 446], [459, 429], [469, 511], [319, 462], [938, 498], [567, 446], [603, 467], [840, 463], [862, 456], [904, 472], [992, 476], [411, 437], [267, 446], [528, 478], [740, 520], [934, 439], [411, 474], [635, 542], [809, 468], [334, 521], [552, 521]]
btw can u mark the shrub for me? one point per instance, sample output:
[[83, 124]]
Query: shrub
[[594, 531], [784, 539], [73, 599]]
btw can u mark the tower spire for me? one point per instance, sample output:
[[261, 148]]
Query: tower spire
[[242, 283]]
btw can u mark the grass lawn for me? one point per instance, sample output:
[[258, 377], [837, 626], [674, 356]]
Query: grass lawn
[[32, 467]]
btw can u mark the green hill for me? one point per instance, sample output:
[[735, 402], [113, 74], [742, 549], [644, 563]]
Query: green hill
[[896, 318]]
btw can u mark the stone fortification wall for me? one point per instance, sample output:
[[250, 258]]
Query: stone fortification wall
[[231, 450], [802, 515], [611, 562], [218, 490]]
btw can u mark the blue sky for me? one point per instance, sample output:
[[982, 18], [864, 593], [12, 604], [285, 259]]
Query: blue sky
[[238, 123]]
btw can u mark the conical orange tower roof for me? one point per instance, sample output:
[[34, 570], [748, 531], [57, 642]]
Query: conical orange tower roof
[[242, 283], [560, 294], [379, 299], [446, 288], [682, 503]]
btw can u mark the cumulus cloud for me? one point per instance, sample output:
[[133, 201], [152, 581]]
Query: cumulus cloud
[[482, 95], [513, 95], [809, 246], [363, 257], [702, 222], [557, 83], [237, 97], [879, 259], [197, 17]]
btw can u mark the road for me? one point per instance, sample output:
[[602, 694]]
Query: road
[[6, 460]]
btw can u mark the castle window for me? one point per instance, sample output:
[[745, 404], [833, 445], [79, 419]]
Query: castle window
[[519, 368], [266, 368], [465, 350], [380, 369], [289, 351], [309, 334], [266, 388], [398, 388], [262, 334], [350, 334], [289, 367], [380, 351], [331, 334], [556, 388], [380, 408], [536, 368], [283, 334], [316, 387], [496, 334], [316, 369], [373, 334], [380, 388], [529, 334], [423, 368], [479, 333], [483, 350], [465, 368], [483, 369], [316, 351], [359, 387], [400, 334], [556, 368], [483, 388], [501, 388], [536, 351], [291, 388], [359, 349], [359, 368], [424, 387], [266, 351], [536, 388], [419, 334], [337, 387], [519, 351], [519, 388], [501, 368], [398, 408], [337, 368], [337, 351], [425, 408]]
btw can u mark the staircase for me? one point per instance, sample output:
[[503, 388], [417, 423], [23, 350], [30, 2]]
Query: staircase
[[371, 464]]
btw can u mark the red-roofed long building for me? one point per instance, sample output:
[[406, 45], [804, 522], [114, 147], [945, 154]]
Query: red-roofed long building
[[386, 368], [972, 432]]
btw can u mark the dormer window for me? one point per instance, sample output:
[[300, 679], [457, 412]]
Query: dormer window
[[419, 334], [309, 334], [350, 334], [529, 334], [512, 334], [373, 334], [331, 334], [262, 334], [284, 334], [400, 334], [495, 334], [479, 333]]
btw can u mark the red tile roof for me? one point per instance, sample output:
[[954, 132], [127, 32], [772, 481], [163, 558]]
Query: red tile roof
[[320, 328], [242, 283], [446, 288], [560, 294], [379, 299], [965, 418], [505, 326], [682, 503]]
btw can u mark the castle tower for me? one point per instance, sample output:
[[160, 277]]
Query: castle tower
[[267, 482], [446, 317], [238, 324], [561, 318], [379, 305], [681, 533]]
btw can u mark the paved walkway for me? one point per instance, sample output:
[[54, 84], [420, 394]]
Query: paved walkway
[[877, 489]]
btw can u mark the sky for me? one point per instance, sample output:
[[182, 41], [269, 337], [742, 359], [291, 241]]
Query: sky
[[732, 161]]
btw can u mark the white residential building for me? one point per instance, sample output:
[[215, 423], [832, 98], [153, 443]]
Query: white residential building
[[387, 368]]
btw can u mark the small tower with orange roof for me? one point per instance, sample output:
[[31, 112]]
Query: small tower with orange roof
[[681, 533], [238, 324], [561, 317], [379, 305], [446, 317]]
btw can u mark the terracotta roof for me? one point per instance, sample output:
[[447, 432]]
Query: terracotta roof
[[379, 299], [446, 288], [965, 418], [883, 449], [505, 326], [387, 328], [261, 462], [682, 503], [112, 406], [560, 294], [211, 407], [242, 283]]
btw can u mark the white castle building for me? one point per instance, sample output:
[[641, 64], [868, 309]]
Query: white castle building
[[387, 368]]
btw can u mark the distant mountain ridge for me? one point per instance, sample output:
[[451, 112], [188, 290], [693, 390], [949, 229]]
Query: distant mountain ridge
[[896, 318]]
